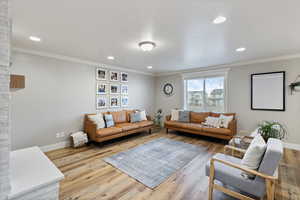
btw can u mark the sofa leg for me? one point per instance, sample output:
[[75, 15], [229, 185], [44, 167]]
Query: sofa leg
[[150, 131], [167, 130]]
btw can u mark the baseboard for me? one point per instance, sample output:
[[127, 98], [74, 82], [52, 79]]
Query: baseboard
[[292, 146], [55, 146]]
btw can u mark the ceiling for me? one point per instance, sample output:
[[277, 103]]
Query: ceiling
[[184, 33]]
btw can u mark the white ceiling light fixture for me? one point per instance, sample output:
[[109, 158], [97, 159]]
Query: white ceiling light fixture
[[149, 67], [147, 45], [110, 57], [240, 49], [219, 20], [35, 38]]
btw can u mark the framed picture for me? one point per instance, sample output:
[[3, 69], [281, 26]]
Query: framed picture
[[124, 101], [101, 102], [124, 77], [114, 101], [124, 89], [268, 91], [102, 88], [101, 74], [114, 89], [114, 76]]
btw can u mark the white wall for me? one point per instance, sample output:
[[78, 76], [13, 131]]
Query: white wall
[[239, 96], [57, 95]]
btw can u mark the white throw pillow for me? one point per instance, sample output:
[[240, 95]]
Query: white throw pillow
[[224, 121], [254, 153], [98, 120], [174, 115], [143, 115], [212, 121]]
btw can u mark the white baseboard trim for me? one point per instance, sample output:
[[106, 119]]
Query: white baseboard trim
[[292, 146], [55, 146]]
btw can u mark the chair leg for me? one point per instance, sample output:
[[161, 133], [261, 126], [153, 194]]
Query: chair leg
[[211, 181], [270, 189]]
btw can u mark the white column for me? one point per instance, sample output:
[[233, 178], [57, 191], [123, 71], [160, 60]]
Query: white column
[[5, 36]]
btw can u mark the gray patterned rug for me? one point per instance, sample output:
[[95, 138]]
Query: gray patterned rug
[[153, 162]]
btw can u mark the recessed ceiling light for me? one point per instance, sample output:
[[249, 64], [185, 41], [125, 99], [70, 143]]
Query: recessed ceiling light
[[147, 45], [219, 20], [149, 67], [110, 57], [241, 49], [35, 39]]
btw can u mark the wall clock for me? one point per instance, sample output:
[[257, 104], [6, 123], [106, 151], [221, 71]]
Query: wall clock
[[168, 89]]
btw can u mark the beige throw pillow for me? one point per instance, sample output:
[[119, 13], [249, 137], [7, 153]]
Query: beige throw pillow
[[224, 121], [174, 115], [98, 120], [143, 115]]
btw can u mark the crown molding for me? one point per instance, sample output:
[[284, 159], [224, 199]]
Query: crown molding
[[229, 65], [77, 60]]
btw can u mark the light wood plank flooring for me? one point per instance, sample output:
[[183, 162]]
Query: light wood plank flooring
[[87, 177]]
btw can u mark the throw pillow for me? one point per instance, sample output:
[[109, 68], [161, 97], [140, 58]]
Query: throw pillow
[[109, 120], [143, 115], [98, 120], [212, 122], [135, 117], [224, 121], [174, 115], [184, 116], [254, 154]]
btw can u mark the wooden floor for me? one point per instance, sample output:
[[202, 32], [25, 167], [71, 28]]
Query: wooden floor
[[87, 177]]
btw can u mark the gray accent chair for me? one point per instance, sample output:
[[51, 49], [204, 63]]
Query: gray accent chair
[[228, 169]]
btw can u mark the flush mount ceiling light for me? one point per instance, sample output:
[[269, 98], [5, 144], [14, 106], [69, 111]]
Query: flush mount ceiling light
[[147, 45], [35, 39], [149, 67], [110, 57], [219, 20], [240, 49]]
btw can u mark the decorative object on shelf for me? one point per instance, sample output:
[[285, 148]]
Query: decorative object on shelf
[[124, 77], [295, 86], [268, 91], [114, 76], [168, 89], [124, 89], [124, 101], [79, 139], [158, 118], [114, 89], [101, 74], [114, 101], [272, 129], [102, 88], [101, 102]]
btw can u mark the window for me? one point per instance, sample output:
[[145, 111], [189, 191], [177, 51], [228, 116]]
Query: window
[[205, 94]]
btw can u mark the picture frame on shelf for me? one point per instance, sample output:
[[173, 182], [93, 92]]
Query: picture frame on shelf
[[114, 89], [114, 101], [124, 89], [101, 74], [114, 76], [124, 101], [102, 88], [124, 77], [101, 102]]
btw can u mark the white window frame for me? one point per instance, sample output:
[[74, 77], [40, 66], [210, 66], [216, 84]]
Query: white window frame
[[206, 74]]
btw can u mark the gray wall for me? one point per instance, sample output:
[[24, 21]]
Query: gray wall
[[239, 96], [57, 95]]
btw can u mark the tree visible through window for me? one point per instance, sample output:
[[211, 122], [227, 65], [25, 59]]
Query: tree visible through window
[[205, 94]]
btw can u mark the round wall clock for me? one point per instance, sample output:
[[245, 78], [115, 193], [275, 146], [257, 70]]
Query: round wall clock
[[168, 89]]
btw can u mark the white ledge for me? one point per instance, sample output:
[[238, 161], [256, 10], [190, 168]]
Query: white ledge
[[30, 171]]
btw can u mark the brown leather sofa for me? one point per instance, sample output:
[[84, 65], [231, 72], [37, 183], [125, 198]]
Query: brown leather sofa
[[122, 126], [195, 126]]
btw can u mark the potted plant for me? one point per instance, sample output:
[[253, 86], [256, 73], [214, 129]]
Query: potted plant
[[272, 129], [158, 118]]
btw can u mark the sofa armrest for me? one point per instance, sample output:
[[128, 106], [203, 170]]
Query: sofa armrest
[[90, 128], [233, 126], [168, 117]]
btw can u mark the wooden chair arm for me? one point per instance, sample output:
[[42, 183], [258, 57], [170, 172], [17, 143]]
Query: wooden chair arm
[[254, 172], [168, 117], [234, 149]]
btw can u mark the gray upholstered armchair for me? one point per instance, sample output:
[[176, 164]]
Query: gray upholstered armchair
[[228, 169]]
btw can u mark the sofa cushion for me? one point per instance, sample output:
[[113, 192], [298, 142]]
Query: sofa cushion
[[97, 119], [184, 116], [223, 131], [135, 117], [127, 126], [177, 124], [194, 126], [144, 123], [128, 112], [199, 117], [108, 131], [119, 116], [219, 114]]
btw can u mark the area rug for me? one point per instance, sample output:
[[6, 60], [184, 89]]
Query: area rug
[[153, 162]]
